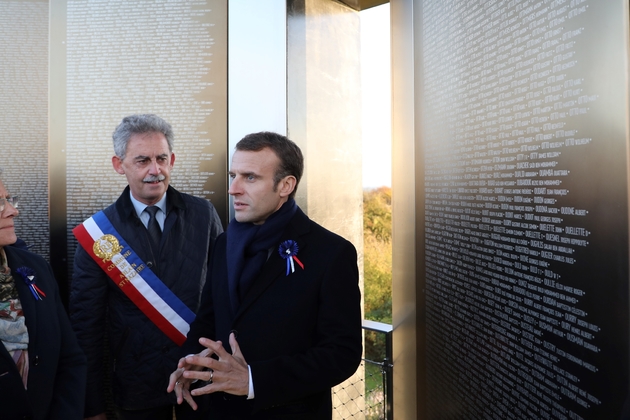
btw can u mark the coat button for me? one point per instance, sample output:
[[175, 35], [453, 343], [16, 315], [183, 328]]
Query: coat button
[[36, 360], [165, 349], [149, 264]]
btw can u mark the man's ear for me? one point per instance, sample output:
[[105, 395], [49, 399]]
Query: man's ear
[[287, 185], [117, 164]]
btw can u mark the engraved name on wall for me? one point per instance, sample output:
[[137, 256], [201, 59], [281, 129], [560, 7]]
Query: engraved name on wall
[[525, 205]]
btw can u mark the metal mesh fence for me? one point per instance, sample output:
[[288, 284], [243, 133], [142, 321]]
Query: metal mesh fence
[[370, 387], [368, 393]]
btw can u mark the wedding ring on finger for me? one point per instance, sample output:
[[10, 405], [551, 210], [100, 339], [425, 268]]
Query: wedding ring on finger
[[211, 376]]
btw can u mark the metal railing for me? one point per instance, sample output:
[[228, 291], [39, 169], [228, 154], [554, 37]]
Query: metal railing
[[368, 394]]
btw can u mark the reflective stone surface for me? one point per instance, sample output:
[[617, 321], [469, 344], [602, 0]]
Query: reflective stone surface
[[524, 138], [24, 115]]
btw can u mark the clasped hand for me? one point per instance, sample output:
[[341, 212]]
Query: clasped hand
[[229, 373]]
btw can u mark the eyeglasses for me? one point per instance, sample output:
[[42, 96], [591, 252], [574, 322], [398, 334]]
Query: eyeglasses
[[14, 201]]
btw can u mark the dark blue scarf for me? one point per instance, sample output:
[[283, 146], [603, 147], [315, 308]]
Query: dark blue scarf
[[248, 247]]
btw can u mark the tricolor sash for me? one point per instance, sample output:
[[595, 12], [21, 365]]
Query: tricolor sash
[[110, 251]]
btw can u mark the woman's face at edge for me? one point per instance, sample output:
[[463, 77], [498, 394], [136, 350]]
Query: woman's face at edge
[[7, 230]]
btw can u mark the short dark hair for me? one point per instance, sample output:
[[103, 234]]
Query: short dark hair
[[140, 124], [290, 155]]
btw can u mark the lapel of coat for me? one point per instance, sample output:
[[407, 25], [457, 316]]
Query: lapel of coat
[[29, 304], [275, 266]]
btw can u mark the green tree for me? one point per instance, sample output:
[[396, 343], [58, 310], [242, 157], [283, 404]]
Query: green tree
[[377, 213], [377, 263]]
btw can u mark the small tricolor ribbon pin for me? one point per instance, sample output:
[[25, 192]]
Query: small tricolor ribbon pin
[[288, 250], [28, 274]]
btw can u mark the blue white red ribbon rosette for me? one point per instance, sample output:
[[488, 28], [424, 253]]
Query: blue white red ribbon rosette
[[288, 250], [28, 274]]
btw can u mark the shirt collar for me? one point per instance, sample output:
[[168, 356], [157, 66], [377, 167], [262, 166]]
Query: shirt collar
[[139, 207]]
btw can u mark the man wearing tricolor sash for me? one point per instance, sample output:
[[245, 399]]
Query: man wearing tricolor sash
[[139, 270]]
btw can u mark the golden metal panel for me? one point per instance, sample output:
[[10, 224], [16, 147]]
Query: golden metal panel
[[363, 4], [324, 112], [406, 218]]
